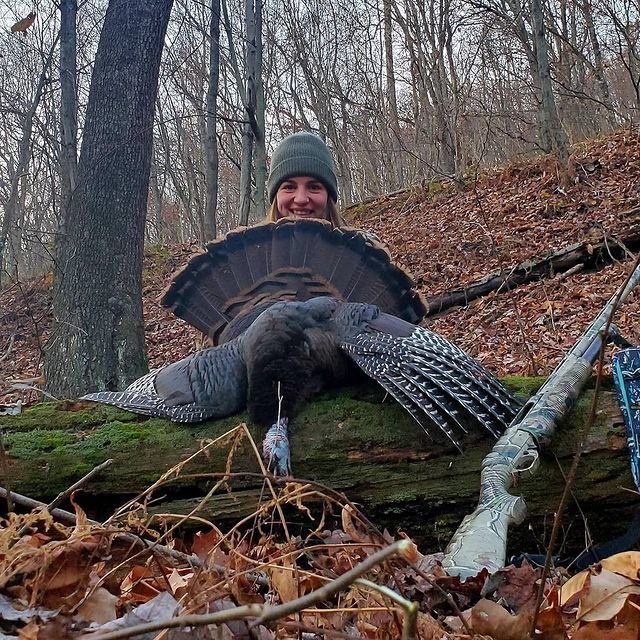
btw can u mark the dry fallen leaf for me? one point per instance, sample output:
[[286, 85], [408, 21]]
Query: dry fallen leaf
[[283, 579], [626, 564], [99, 607], [489, 618], [428, 628], [604, 596]]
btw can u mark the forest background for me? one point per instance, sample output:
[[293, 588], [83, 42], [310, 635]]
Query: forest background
[[403, 92]]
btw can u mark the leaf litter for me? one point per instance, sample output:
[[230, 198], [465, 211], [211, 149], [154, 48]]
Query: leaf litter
[[137, 573]]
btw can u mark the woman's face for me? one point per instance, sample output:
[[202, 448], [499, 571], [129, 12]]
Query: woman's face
[[302, 197]]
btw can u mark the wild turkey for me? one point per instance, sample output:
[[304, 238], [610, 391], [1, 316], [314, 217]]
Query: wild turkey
[[291, 305]]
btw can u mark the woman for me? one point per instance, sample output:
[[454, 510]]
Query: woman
[[302, 181]]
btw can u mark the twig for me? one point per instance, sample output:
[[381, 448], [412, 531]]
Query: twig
[[10, 497], [21, 386], [262, 613], [450, 599], [172, 473], [9, 348], [410, 608], [76, 485], [569, 272], [68, 518]]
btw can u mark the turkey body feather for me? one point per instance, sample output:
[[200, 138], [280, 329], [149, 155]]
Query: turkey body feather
[[281, 338]]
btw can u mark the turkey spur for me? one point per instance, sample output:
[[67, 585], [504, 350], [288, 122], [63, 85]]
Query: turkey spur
[[284, 339]]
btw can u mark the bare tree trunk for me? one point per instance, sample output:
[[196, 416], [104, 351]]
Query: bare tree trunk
[[248, 134], [260, 159], [97, 340], [552, 133], [68, 98], [156, 193], [15, 202], [211, 140], [603, 85], [392, 100]]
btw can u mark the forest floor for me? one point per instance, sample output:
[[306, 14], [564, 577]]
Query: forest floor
[[60, 581]]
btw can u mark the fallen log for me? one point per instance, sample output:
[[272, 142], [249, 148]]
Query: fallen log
[[584, 255], [351, 440]]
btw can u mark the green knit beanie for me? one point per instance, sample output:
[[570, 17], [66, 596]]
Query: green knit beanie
[[302, 154]]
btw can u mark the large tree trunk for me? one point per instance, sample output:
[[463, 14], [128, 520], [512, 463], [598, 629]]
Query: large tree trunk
[[351, 441], [98, 339]]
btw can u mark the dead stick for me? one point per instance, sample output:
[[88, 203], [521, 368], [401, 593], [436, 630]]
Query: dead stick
[[261, 613], [68, 518], [76, 485], [3, 465]]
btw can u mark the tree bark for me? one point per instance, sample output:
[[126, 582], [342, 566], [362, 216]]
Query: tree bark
[[97, 339], [211, 140], [260, 157], [68, 98], [598, 64], [552, 134], [248, 132], [394, 138], [351, 440]]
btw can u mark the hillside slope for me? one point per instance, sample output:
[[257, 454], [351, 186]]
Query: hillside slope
[[449, 236]]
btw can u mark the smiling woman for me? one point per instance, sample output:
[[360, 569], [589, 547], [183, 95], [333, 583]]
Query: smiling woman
[[302, 181]]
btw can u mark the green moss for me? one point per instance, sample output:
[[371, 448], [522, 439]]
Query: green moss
[[23, 445], [524, 386], [434, 187], [353, 213], [65, 415]]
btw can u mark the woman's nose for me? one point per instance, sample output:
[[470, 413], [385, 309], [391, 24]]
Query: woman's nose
[[301, 195]]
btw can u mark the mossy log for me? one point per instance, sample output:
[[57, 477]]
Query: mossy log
[[352, 440]]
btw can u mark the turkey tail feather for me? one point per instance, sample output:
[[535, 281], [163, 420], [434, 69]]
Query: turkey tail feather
[[287, 260]]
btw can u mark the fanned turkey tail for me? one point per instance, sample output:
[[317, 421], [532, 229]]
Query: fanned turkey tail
[[221, 291]]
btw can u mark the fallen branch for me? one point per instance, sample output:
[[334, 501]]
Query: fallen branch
[[68, 518], [565, 260], [9, 348], [263, 613]]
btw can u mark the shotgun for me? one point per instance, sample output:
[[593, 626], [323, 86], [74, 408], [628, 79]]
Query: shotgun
[[480, 541]]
